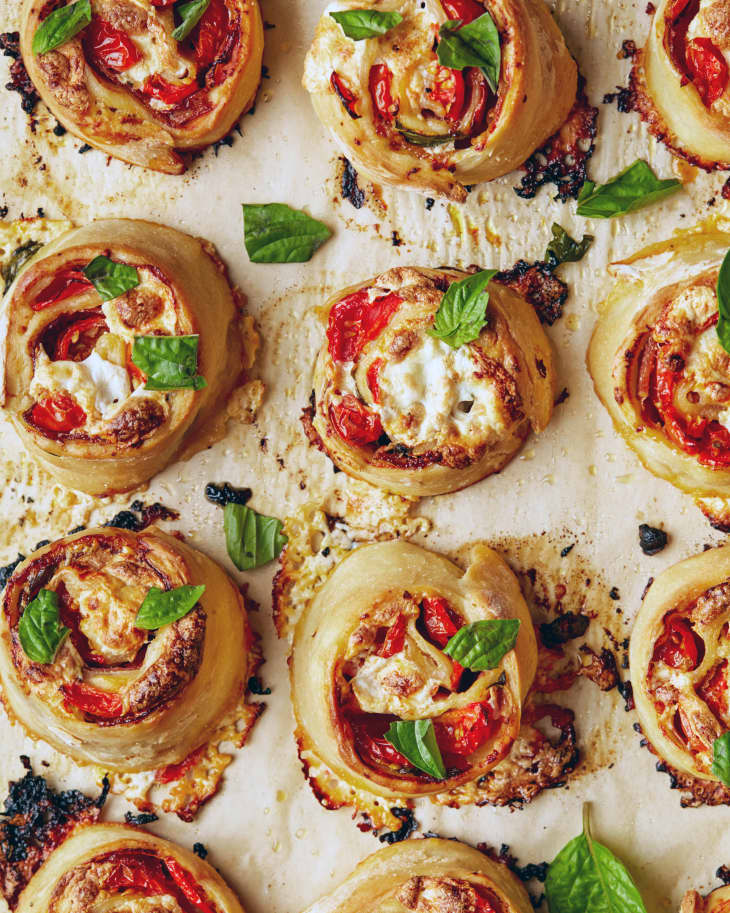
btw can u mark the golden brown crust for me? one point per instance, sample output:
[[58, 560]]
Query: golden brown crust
[[717, 901]]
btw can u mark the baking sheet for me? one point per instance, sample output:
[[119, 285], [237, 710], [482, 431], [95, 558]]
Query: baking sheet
[[265, 831]]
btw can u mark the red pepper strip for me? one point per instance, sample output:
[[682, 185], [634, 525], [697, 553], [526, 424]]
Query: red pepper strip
[[449, 90], [73, 336], [355, 320], [395, 639], [210, 32], [441, 623], [707, 69], [177, 771], [679, 646], [190, 888], [346, 96], [354, 422], [380, 82], [167, 92], [60, 413], [466, 10], [714, 691], [373, 378], [368, 733], [101, 704], [64, 284], [110, 46], [462, 732]]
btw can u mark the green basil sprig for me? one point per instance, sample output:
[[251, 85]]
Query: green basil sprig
[[482, 644], [363, 23], [61, 26], [635, 187], [416, 741], [17, 261], [564, 249], [475, 44], [463, 310], [190, 14], [162, 607], [721, 758], [276, 233], [169, 362], [251, 539], [723, 303], [111, 279], [40, 630], [424, 139], [585, 877]]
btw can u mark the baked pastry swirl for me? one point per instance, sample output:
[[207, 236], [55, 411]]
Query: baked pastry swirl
[[405, 119], [680, 80], [120, 869], [380, 658], [127, 86], [115, 695], [403, 410], [679, 659], [658, 366], [427, 876], [73, 391], [717, 901]]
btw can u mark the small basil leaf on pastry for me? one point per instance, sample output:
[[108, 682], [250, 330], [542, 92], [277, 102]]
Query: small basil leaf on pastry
[[463, 310], [635, 187], [251, 539], [61, 26], [482, 644], [163, 607], [110, 279], [723, 303], [168, 362], [416, 741], [276, 233], [475, 44], [363, 23], [190, 14], [424, 139], [721, 758], [564, 249], [18, 259], [40, 630], [586, 877]]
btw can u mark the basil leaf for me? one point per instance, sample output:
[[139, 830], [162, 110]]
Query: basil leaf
[[463, 310], [363, 23], [416, 741], [635, 187], [111, 279], [251, 539], [723, 303], [162, 607], [482, 644], [61, 26], [564, 249], [169, 362], [40, 630], [190, 14], [18, 259], [276, 233], [475, 44], [721, 758], [585, 877], [424, 139]]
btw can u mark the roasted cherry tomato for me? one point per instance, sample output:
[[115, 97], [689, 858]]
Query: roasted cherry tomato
[[368, 734], [373, 378], [174, 772], [60, 413], [439, 620], [714, 691], [354, 422], [146, 874], [380, 83], [210, 33], [462, 732], [190, 888], [356, 320], [466, 10], [707, 69], [111, 47], [346, 95], [101, 704], [395, 638], [65, 283], [449, 91], [679, 646], [79, 338], [168, 92]]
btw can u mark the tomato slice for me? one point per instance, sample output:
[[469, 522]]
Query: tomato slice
[[354, 422], [368, 733], [210, 33], [168, 92], [395, 639], [679, 646], [146, 874], [449, 90], [101, 704], [356, 320], [60, 413], [440, 620], [65, 283], [346, 95], [110, 46], [466, 10], [174, 772], [190, 888], [79, 338], [707, 69], [373, 378], [380, 84], [461, 732]]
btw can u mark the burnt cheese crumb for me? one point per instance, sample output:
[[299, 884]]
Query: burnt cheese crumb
[[200, 850], [408, 826], [564, 628], [226, 494], [651, 539], [140, 516], [140, 819], [349, 187], [255, 686]]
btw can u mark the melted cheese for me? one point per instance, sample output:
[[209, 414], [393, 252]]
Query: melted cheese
[[97, 385], [165, 324], [374, 689], [129, 902]]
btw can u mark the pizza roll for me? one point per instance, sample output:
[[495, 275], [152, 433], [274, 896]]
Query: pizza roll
[[678, 658], [368, 652], [405, 119], [399, 408], [658, 366], [717, 901], [680, 80], [114, 867], [88, 408], [427, 876], [124, 697], [126, 85]]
